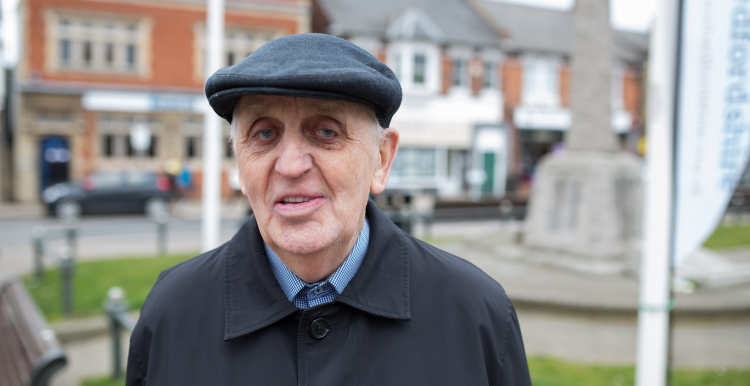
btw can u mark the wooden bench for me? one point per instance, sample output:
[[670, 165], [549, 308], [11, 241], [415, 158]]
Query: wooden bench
[[29, 351]]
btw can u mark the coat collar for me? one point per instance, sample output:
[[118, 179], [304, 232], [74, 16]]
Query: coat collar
[[253, 298]]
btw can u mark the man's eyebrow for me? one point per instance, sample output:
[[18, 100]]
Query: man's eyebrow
[[330, 108]]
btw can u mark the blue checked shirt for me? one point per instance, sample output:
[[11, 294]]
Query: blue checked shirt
[[305, 295]]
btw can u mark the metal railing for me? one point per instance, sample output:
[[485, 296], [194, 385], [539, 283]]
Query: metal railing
[[64, 259]]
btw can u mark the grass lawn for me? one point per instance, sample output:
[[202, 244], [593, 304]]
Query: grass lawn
[[92, 279], [554, 372], [729, 236]]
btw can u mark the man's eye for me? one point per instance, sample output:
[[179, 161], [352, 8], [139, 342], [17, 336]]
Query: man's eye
[[326, 133], [265, 134]]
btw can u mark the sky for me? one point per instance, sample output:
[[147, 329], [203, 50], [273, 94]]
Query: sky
[[633, 15]]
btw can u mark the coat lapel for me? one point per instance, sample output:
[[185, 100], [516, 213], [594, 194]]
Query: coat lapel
[[253, 298], [381, 285]]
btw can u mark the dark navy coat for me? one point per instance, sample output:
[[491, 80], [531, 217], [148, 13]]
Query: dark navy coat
[[412, 315]]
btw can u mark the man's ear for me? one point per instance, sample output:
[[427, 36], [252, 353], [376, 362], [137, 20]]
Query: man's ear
[[386, 155], [242, 181]]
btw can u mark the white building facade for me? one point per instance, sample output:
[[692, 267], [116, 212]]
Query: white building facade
[[453, 140]]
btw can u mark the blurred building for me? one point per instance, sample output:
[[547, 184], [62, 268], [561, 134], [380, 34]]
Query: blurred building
[[448, 61], [92, 70], [485, 86]]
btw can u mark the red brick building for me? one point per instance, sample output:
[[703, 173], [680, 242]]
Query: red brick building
[[91, 69]]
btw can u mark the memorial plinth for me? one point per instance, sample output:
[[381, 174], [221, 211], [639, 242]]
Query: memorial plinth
[[586, 201]]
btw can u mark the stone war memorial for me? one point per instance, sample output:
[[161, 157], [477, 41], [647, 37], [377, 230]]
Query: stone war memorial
[[586, 201]]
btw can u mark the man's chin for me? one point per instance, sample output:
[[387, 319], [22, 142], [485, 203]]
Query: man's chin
[[303, 241], [301, 247]]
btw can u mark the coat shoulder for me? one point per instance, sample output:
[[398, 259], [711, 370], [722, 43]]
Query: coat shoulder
[[454, 276], [181, 285]]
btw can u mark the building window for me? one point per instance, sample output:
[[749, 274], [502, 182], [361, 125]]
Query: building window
[[420, 68], [152, 149], [415, 162], [87, 53], [239, 43], [397, 65], [490, 75], [150, 152], [541, 82], [108, 146], [64, 52], [109, 54], [191, 147], [98, 43], [129, 151], [131, 56], [529, 77], [459, 73]]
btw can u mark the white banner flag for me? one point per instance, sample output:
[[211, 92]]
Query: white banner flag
[[713, 121]]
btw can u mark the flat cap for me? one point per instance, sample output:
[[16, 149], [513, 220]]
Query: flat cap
[[311, 66]]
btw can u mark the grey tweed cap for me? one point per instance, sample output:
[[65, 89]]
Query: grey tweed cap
[[312, 66]]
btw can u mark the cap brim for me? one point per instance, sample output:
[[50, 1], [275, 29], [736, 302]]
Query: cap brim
[[223, 102]]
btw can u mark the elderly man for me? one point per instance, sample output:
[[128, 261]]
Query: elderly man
[[319, 287]]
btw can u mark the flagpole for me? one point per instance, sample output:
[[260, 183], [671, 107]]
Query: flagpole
[[212, 131], [658, 230]]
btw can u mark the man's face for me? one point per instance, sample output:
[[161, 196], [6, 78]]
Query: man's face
[[307, 166]]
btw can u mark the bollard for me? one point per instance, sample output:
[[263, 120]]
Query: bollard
[[116, 307], [406, 218], [162, 218], [66, 271], [427, 225], [37, 239], [71, 234], [737, 202], [506, 210]]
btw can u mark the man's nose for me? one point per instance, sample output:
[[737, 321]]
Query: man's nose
[[294, 160]]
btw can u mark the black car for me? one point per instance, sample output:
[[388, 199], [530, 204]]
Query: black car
[[110, 192]]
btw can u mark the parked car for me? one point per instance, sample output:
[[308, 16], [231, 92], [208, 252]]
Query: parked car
[[110, 192]]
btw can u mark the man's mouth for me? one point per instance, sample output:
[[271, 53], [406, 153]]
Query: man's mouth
[[297, 204], [294, 200]]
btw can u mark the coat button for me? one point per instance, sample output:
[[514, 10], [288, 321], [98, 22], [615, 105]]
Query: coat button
[[319, 328]]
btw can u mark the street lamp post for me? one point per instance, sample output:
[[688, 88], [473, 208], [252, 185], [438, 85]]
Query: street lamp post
[[212, 131], [10, 54]]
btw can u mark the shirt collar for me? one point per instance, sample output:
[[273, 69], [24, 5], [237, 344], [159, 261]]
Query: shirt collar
[[253, 299], [291, 284]]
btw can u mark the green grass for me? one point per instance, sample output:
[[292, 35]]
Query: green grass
[[106, 381], [554, 372], [92, 279], [448, 239], [729, 236]]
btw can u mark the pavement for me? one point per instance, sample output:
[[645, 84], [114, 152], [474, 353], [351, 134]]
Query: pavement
[[530, 280], [590, 317], [574, 315]]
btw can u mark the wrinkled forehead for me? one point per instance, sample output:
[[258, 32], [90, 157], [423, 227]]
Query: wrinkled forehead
[[254, 106]]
